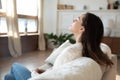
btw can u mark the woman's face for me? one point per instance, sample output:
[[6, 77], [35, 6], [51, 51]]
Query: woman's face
[[76, 27]]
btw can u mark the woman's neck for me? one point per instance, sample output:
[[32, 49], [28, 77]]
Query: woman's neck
[[77, 37]]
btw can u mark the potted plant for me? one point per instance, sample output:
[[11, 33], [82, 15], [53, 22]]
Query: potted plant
[[56, 40]]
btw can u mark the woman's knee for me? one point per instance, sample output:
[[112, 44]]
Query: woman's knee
[[14, 66], [18, 67], [9, 76], [20, 72]]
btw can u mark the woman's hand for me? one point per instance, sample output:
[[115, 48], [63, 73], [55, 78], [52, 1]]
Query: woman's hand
[[39, 70]]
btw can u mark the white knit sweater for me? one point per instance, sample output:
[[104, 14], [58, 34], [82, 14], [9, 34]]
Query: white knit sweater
[[75, 51]]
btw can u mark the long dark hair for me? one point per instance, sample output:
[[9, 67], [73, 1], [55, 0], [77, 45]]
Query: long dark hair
[[91, 39]]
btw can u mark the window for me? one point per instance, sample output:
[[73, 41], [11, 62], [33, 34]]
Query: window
[[27, 25], [3, 24], [27, 16]]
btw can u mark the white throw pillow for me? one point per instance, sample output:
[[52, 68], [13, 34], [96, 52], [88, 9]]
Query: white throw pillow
[[80, 69], [51, 59]]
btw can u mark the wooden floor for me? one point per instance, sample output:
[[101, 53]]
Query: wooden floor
[[31, 61]]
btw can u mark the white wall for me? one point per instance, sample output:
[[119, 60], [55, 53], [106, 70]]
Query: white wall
[[91, 4], [50, 12], [49, 15], [110, 19]]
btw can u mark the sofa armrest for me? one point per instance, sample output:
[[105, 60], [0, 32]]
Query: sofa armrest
[[111, 73], [46, 66]]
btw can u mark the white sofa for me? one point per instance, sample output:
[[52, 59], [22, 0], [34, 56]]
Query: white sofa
[[78, 70], [83, 68]]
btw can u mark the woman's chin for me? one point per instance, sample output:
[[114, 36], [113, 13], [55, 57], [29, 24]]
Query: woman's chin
[[70, 29]]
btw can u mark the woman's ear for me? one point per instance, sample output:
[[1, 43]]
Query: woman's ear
[[82, 29]]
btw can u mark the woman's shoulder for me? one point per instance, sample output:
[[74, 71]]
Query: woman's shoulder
[[106, 49], [74, 47], [68, 54], [72, 50]]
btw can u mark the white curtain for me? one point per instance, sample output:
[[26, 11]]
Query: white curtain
[[0, 5], [41, 40], [14, 43]]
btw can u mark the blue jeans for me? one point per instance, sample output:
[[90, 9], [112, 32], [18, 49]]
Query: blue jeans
[[18, 72]]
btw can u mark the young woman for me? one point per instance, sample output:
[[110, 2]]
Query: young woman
[[88, 32]]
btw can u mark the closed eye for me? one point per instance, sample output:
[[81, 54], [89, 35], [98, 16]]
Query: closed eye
[[77, 19], [74, 20]]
